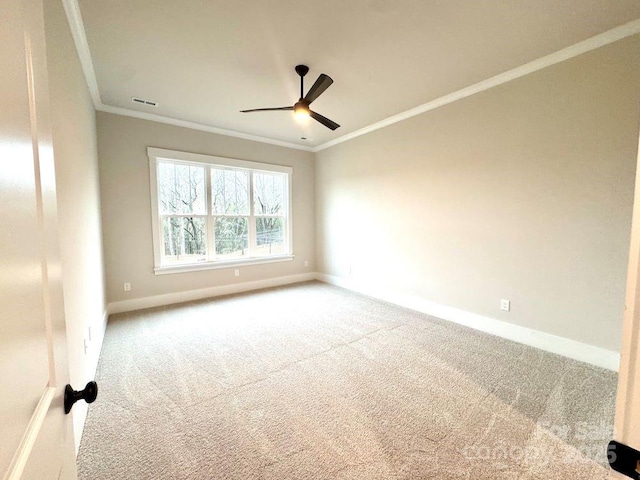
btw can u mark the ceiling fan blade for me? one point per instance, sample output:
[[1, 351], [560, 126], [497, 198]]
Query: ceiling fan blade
[[266, 109], [322, 83], [323, 120]]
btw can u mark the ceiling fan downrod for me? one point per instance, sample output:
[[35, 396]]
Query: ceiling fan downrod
[[302, 70]]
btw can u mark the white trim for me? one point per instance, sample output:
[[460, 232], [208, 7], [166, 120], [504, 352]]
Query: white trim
[[198, 126], [582, 352], [196, 267], [19, 461], [207, 162], [579, 48], [172, 155], [74, 17], [155, 220], [82, 46], [190, 295]]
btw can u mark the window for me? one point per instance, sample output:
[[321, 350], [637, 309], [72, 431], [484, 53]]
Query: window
[[211, 212]]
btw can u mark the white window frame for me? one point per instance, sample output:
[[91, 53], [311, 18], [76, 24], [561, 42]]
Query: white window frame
[[157, 155]]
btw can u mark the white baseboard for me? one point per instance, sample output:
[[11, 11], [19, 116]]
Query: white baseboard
[[190, 295], [582, 352]]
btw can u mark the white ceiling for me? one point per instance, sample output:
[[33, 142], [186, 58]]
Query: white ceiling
[[204, 60]]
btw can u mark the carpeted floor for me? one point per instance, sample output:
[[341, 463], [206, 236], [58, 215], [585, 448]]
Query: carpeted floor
[[314, 382]]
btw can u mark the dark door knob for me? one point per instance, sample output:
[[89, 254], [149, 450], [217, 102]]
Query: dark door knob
[[71, 396]]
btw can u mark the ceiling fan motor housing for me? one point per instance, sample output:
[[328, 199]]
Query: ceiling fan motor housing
[[302, 70], [301, 108]]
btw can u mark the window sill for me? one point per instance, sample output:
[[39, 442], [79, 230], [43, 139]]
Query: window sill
[[196, 267]]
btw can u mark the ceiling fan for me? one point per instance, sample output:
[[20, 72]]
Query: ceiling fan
[[301, 107]]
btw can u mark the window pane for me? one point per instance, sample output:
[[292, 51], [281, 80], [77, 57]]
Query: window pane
[[269, 193], [184, 240], [181, 189], [270, 236], [230, 191], [232, 237]]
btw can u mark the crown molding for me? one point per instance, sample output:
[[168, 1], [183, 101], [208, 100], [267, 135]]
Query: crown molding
[[198, 126], [579, 48], [74, 17]]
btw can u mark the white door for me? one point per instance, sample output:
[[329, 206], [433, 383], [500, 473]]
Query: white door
[[627, 426], [35, 435]]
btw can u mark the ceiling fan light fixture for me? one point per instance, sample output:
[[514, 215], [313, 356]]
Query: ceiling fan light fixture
[[301, 111]]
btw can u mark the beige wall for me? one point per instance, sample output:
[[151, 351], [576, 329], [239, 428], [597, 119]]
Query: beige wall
[[74, 142], [126, 213], [521, 192]]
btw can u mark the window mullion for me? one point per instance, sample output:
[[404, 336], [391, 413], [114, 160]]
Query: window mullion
[[181, 230], [211, 245], [252, 223]]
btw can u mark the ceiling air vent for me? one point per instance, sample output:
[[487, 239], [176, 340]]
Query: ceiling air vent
[[142, 101]]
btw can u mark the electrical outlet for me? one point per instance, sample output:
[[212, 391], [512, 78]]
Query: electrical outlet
[[306, 263], [236, 272], [127, 287], [505, 305]]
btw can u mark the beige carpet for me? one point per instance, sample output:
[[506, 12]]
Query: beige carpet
[[315, 382]]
